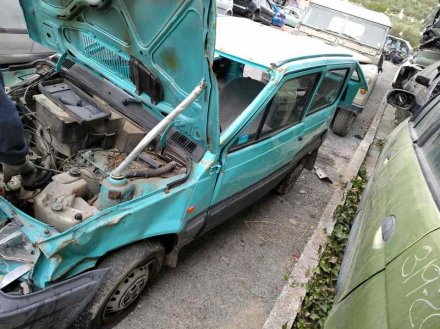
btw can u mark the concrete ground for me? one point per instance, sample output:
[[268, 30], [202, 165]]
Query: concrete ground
[[231, 277]]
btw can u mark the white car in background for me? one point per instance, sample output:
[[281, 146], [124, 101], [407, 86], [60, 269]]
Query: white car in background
[[15, 44], [225, 7]]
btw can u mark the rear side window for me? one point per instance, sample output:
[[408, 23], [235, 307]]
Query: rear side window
[[329, 90]]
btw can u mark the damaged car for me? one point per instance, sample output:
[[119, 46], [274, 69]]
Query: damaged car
[[360, 30], [427, 54], [389, 277], [149, 128], [423, 86]]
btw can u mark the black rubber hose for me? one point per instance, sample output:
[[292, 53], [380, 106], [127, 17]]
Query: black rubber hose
[[151, 172]]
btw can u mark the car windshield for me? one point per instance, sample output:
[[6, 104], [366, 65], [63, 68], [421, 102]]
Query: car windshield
[[357, 29]]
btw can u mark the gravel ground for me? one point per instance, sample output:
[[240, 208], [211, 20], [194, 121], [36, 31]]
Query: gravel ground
[[231, 277]]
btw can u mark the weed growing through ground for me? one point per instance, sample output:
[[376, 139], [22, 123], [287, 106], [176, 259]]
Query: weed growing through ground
[[321, 289]]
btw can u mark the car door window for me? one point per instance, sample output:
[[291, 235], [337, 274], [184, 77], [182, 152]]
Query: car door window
[[285, 109], [249, 135], [329, 90], [288, 105]]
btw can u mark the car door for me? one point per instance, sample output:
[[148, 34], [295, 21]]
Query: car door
[[351, 92], [326, 100], [266, 12], [261, 154], [14, 40]]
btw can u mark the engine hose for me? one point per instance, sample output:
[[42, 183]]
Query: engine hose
[[151, 172], [42, 179]]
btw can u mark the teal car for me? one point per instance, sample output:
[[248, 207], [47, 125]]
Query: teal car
[[149, 128], [390, 275]]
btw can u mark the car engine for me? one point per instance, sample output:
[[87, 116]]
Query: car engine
[[76, 139]]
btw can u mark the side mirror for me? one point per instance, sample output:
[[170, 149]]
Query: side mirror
[[401, 99], [424, 81]]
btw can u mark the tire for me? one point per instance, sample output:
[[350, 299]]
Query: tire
[[286, 185], [256, 16], [229, 13], [131, 269], [343, 122]]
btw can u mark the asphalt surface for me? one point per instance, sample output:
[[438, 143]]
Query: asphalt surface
[[231, 277]]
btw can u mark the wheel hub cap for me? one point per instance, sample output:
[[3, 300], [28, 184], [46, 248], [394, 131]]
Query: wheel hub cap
[[128, 290]]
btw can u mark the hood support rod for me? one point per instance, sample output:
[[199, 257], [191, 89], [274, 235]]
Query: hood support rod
[[118, 173]]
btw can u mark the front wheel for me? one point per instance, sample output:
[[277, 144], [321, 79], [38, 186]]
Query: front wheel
[[343, 122], [131, 269]]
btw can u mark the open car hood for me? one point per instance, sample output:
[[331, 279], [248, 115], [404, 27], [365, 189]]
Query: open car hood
[[157, 50]]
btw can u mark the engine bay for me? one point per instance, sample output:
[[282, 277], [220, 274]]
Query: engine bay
[[76, 139]]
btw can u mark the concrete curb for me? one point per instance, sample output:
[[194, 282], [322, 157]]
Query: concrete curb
[[289, 301]]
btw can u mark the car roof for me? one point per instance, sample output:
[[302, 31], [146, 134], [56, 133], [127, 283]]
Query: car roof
[[355, 10], [267, 46]]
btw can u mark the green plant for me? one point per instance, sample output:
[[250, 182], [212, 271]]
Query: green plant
[[406, 15], [321, 289]]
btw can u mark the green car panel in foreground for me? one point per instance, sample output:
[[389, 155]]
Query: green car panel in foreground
[[390, 277], [155, 127]]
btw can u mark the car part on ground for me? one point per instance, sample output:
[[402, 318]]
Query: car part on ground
[[336, 23], [394, 241]]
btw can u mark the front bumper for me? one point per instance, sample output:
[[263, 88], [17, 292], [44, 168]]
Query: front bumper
[[357, 109], [54, 307]]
